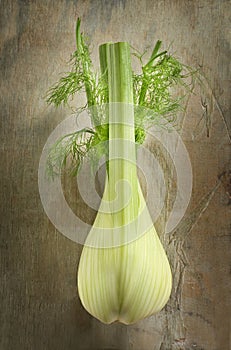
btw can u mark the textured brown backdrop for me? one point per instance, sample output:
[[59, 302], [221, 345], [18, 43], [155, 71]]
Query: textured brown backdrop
[[39, 305]]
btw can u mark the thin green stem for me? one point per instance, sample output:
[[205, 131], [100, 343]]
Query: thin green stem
[[86, 65]]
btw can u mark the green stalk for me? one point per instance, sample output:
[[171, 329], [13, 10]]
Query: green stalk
[[115, 60], [148, 65], [85, 65]]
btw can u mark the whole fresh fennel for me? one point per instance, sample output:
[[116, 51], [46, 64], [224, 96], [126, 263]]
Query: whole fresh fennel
[[123, 274], [128, 280]]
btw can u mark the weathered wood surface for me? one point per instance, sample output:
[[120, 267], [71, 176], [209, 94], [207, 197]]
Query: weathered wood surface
[[39, 305]]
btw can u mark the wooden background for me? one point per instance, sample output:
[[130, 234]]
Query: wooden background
[[40, 309]]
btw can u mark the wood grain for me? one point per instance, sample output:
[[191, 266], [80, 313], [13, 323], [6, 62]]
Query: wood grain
[[40, 308]]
